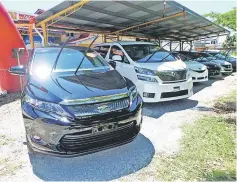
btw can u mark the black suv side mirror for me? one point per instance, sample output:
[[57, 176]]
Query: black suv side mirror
[[17, 70], [113, 64]]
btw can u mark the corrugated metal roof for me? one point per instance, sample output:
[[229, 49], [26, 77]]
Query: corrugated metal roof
[[112, 16]]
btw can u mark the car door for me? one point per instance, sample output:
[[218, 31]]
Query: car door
[[123, 67]]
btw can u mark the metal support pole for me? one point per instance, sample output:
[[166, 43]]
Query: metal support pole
[[170, 45], [104, 38], [41, 36], [180, 44], [31, 37], [159, 42], [45, 35], [191, 45]]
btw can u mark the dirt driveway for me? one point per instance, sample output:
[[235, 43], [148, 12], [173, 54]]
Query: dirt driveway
[[160, 134]]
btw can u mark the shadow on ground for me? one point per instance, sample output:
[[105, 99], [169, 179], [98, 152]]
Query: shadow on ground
[[197, 87], [101, 166], [156, 110], [6, 99]]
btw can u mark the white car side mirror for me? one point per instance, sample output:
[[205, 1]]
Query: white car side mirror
[[117, 58]]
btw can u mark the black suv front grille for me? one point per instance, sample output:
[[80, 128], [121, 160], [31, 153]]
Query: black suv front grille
[[83, 142], [170, 76], [98, 108]]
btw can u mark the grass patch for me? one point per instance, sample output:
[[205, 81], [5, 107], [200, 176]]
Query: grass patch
[[227, 103], [8, 167], [231, 97], [208, 153], [4, 140]]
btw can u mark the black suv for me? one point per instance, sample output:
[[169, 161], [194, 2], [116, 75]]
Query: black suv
[[213, 68], [72, 110]]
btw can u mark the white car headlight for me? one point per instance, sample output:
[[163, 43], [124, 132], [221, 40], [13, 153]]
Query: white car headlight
[[146, 78], [145, 71], [46, 106], [188, 74], [133, 94], [204, 67]]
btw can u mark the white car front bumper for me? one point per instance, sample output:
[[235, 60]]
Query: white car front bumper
[[165, 91], [199, 77]]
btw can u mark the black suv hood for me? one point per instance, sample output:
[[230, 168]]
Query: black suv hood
[[59, 87]]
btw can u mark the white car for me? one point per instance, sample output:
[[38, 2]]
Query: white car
[[198, 71], [157, 75]]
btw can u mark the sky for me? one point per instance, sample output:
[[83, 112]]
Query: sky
[[201, 7]]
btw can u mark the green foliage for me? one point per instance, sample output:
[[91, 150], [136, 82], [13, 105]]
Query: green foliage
[[227, 19], [230, 97], [208, 153], [230, 41]]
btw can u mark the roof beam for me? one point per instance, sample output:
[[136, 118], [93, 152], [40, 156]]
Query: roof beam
[[81, 27], [64, 12], [148, 23], [96, 20]]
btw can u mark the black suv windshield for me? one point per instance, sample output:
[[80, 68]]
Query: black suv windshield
[[142, 52], [68, 60]]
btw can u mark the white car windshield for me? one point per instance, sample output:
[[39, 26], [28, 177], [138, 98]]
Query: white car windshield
[[147, 53]]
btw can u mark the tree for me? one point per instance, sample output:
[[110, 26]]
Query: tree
[[230, 41], [227, 19]]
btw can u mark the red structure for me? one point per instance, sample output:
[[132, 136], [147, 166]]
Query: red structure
[[10, 38]]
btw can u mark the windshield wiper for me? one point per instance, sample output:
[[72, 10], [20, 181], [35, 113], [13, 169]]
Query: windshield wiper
[[169, 53], [85, 54], [156, 52], [56, 61]]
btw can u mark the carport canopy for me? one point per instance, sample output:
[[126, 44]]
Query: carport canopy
[[163, 20]]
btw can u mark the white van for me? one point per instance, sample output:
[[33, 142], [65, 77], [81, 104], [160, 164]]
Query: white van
[[157, 75]]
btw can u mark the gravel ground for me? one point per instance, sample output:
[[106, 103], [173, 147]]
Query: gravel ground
[[160, 134]]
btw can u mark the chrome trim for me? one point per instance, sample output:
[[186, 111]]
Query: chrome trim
[[94, 99], [100, 108]]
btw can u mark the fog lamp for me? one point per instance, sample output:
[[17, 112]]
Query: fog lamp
[[148, 95]]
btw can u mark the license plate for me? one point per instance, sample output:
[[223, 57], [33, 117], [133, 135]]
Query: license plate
[[104, 127], [176, 89]]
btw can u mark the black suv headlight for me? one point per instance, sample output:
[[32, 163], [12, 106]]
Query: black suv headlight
[[45, 106], [132, 94]]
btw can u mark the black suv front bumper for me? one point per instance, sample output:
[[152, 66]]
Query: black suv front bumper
[[79, 138]]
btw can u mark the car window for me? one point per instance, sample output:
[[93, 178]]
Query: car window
[[139, 51], [159, 57], [102, 50], [115, 50], [68, 60], [97, 48], [183, 57]]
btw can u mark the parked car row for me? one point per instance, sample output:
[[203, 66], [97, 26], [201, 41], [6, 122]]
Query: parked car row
[[160, 75], [81, 100]]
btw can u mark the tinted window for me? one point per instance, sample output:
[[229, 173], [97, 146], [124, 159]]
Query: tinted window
[[69, 60], [102, 50], [115, 50], [139, 51]]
